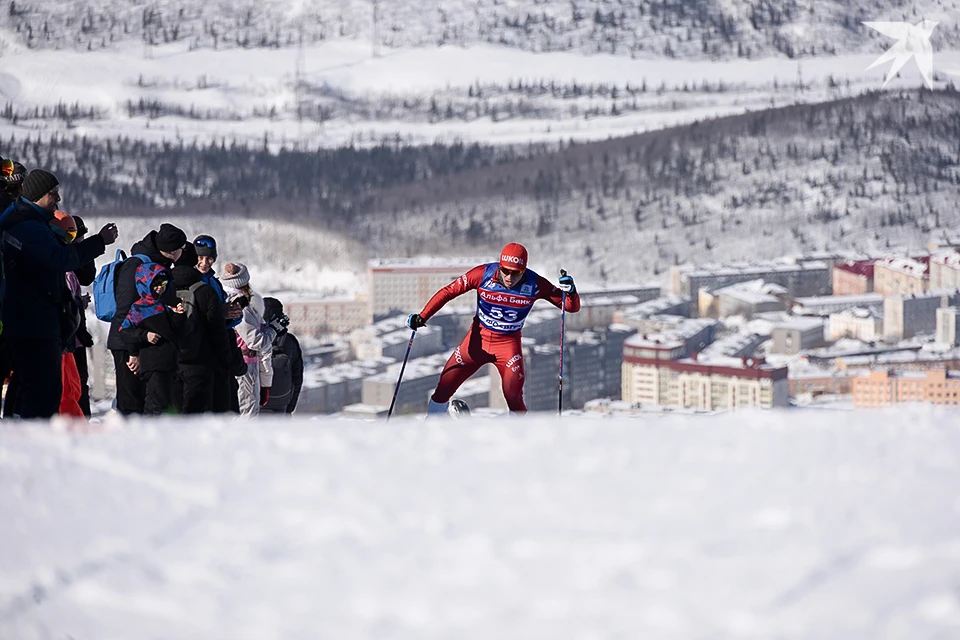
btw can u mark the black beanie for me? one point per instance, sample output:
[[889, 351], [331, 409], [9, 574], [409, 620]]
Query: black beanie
[[37, 184], [188, 258], [205, 246], [170, 238], [272, 308]]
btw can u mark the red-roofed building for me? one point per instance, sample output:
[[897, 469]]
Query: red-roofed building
[[852, 278]]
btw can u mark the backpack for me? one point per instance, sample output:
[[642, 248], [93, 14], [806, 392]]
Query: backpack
[[281, 391], [105, 288], [192, 338]]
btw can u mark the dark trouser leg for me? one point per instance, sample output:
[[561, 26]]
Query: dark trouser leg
[[196, 386], [80, 355], [130, 390], [38, 363], [159, 391], [221, 390], [234, 395], [6, 368]]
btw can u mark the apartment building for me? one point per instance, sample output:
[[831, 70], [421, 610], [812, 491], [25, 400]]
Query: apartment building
[[905, 316], [945, 270], [947, 326], [650, 376], [861, 323], [901, 276], [800, 279], [796, 335], [883, 388], [825, 305], [315, 315], [402, 286], [853, 277]]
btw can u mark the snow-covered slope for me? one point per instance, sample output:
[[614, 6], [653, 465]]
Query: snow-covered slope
[[644, 28], [748, 525]]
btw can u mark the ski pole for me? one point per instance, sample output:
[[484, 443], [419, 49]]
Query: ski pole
[[396, 389], [563, 313]]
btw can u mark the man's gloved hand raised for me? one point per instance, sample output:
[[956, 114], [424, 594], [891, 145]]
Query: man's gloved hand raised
[[565, 283], [414, 321]]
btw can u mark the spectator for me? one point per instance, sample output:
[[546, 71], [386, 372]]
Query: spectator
[[85, 276], [287, 360], [65, 227], [11, 182], [254, 337], [153, 328], [224, 381], [35, 265], [163, 247], [208, 347], [12, 174]]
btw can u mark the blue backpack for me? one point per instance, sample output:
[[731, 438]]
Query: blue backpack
[[105, 288]]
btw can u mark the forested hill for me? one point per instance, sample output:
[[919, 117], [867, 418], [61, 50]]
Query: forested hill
[[858, 173], [691, 29]]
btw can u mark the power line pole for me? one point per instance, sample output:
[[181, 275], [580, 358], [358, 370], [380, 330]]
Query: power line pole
[[298, 87], [374, 39]]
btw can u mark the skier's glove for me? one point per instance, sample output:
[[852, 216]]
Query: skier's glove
[[264, 396], [566, 284], [414, 321], [277, 326]]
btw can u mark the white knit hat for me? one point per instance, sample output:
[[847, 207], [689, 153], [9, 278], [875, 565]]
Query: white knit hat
[[235, 275]]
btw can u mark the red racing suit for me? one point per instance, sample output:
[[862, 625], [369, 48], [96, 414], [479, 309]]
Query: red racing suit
[[494, 337]]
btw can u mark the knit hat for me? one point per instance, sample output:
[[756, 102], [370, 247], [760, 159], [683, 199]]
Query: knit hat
[[205, 246], [514, 257], [38, 183], [170, 238], [235, 275]]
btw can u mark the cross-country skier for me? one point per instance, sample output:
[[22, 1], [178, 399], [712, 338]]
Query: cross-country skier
[[506, 291]]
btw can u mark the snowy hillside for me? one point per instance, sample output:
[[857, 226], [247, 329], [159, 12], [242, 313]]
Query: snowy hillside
[[748, 525], [644, 28], [334, 91]]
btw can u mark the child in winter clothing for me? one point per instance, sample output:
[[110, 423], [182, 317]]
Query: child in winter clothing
[[151, 330]]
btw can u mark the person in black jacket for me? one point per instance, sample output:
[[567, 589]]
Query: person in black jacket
[[162, 247], [287, 361], [153, 327], [35, 265], [205, 349], [85, 276], [12, 174]]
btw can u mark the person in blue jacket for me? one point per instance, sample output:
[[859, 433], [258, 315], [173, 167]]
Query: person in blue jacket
[[35, 264], [225, 388]]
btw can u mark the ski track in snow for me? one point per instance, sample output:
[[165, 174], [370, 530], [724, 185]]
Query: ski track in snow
[[747, 525]]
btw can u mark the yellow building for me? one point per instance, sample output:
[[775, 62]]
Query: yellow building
[[884, 388]]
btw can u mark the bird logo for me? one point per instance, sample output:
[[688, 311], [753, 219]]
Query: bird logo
[[913, 41]]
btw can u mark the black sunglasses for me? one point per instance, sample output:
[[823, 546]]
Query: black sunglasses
[[511, 272]]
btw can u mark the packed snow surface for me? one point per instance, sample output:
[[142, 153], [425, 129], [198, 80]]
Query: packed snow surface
[[794, 524]]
